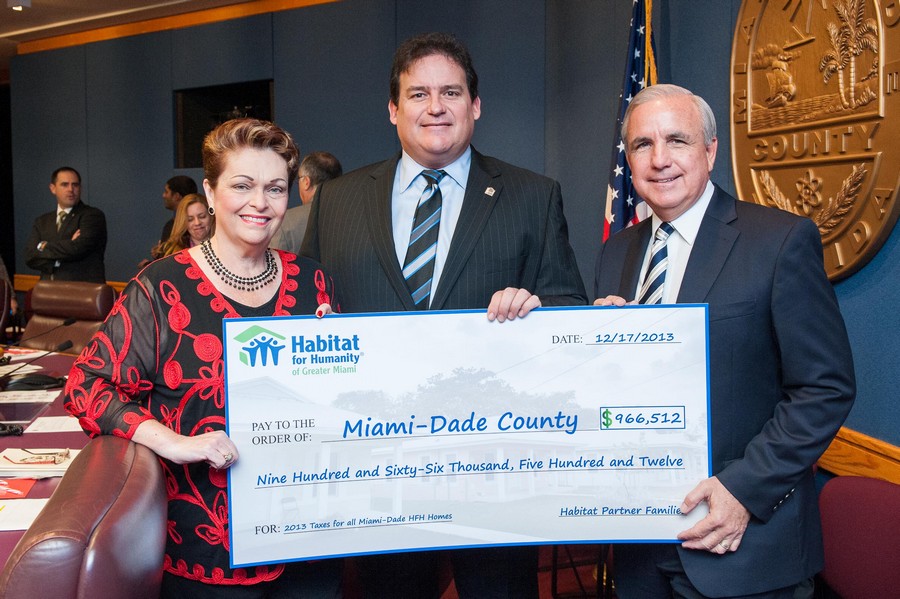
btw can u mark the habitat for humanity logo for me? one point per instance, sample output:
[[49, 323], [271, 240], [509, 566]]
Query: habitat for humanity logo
[[259, 344]]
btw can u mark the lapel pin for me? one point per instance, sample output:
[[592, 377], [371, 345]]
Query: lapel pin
[[489, 191]]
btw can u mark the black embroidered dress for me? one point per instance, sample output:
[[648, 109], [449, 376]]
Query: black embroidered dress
[[159, 356]]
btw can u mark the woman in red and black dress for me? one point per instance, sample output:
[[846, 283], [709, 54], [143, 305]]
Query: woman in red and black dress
[[154, 371]]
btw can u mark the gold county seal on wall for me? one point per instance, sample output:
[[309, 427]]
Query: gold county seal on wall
[[815, 118]]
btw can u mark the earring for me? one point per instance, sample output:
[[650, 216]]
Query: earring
[[211, 210]]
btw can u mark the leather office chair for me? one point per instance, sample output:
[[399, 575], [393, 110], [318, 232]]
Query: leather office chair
[[52, 303], [101, 534], [861, 530]]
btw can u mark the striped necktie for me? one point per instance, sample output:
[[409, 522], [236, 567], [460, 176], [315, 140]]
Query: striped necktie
[[652, 289], [60, 217], [418, 268]]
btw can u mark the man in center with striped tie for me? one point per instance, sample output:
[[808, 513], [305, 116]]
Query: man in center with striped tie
[[442, 227]]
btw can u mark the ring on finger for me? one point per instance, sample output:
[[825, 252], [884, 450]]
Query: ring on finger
[[724, 545], [228, 457]]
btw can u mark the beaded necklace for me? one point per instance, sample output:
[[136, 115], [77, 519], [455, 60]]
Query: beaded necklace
[[240, 283]]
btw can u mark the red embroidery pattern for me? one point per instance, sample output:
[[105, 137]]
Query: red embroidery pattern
[[289, 282], [160, 356], [321, 295]]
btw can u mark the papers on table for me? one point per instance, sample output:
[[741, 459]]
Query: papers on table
[[35, 462], [19, 354], [18, 514], [40, 395], [54, 424], [25, 368]]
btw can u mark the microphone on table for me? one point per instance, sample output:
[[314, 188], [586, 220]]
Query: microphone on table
[[30, 382], [65, 323]]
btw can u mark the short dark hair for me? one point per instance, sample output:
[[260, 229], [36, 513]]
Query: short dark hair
[[427, 44], [182, 184], [320, 167], [63, 169]]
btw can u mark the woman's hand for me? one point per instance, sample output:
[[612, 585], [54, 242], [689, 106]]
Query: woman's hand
[[323, 310], [214, 448]]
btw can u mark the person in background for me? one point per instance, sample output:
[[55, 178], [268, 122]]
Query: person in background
[[500, 242], [315, 169], [12, 316], [69, 243], [193, 225], [781, 370], [165, 332], [174, 191], [4, 277]]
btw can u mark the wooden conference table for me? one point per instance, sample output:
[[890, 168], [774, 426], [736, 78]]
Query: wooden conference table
[[54, 365]]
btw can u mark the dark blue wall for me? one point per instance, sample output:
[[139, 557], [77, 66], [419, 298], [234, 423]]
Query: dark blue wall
[[550, 73]]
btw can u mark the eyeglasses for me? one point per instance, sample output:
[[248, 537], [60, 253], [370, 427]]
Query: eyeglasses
[[41, 457]]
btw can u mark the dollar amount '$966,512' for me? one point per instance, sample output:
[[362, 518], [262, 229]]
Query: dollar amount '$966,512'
[[641, 417]]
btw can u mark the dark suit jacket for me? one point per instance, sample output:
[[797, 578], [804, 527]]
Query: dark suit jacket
[[511, 233], [79, 260], [290, 235], [781, 377]]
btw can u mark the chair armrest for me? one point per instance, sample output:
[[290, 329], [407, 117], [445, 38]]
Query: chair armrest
[[102, 533]]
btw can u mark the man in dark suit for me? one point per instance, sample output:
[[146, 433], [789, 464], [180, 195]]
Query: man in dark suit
[[781, 372], [68, 244], [501, 244], [315, 169]]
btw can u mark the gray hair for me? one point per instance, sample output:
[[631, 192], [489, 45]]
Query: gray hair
[[665, 90]]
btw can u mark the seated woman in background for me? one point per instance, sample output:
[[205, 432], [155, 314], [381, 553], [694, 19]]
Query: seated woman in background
[[154, 372], [193, 225]]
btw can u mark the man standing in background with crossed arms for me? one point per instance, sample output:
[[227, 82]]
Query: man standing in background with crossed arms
[[68, 243]]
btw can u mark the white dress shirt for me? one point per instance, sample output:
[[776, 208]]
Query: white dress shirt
[[408, 188], [678, 245]]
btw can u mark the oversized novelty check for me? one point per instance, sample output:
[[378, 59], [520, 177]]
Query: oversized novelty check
[[410, 431]]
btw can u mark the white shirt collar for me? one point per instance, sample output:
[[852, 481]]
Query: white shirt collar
[[688, 224], [458, 170]]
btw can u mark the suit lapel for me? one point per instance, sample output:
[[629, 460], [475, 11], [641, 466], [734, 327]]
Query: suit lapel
[[635, 256], [378, 217], [69, 224], [714, 241], [483, 190]]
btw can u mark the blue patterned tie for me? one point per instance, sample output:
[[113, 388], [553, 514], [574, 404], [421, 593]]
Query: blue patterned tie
[[418, 268], [652, 289]]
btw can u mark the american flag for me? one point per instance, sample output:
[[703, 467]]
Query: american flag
[[623, 206]]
